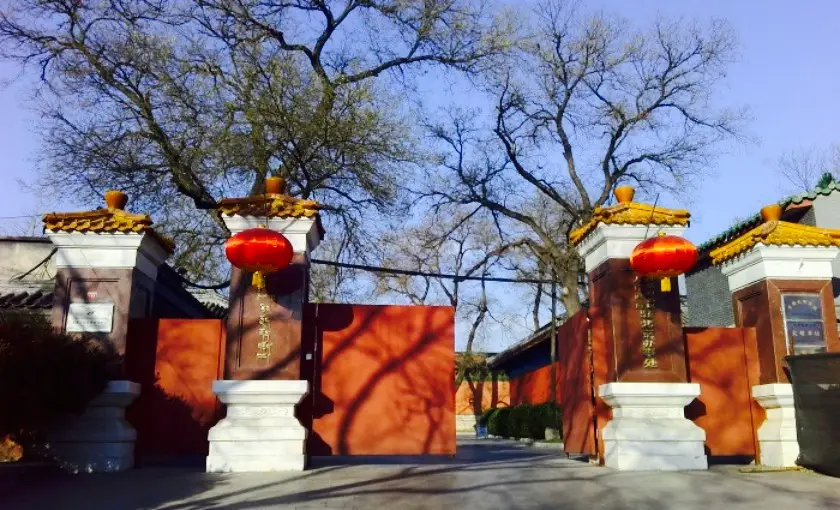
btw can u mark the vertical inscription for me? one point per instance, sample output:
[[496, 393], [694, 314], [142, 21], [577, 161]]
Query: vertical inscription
[[264, 345], [644, 304]]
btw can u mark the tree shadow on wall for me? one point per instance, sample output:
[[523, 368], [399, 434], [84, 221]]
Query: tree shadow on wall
[[171, 429], [400, 356]]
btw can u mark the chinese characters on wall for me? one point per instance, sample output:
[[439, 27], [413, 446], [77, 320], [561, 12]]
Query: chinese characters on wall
[[264, 345], [645, 306]]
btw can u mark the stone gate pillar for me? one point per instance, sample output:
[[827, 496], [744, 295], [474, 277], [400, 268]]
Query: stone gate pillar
[[107, 263], [647, 388], [780, 275], [263, 385]]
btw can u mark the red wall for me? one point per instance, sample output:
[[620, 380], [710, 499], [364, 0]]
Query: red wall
[[473, 398], [383, 380], [724, 362], [176, 362], [534, 387], [576, 396]]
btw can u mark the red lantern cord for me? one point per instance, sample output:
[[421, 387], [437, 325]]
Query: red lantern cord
[[663, 257]]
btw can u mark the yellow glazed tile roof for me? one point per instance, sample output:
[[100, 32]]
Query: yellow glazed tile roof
[[270, 206], [627, 212], [274, 203], [776, 233], [106, 220]]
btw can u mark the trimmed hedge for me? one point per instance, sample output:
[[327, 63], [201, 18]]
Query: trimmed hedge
[[485, 417], [523, 421]]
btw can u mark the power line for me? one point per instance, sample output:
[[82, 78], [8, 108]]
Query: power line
[[389, 270], [455, 277], [20, 217]]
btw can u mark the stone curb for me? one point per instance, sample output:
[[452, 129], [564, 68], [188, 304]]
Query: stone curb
[[531, 443]]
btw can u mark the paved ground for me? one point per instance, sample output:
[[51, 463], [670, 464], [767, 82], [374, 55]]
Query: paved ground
[[487, 474]]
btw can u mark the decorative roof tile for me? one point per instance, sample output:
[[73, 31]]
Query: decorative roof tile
[[627, 212], [26, 299], [270, 206], [274, 203], [106, 220], [755, 220], [775, 232]]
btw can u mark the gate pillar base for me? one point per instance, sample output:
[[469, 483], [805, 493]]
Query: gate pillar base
[[648, 430], [100, 440], [260, 432], [778, 445]]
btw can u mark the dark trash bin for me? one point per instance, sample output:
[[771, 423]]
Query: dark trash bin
[[816, 395]]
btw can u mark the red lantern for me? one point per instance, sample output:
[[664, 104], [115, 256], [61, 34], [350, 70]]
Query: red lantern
[[259, 250], [663, 257]]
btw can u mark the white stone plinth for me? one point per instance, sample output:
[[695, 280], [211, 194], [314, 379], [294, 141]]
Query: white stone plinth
[[648, 430], [260, 431], [100, 440], [777, 442]]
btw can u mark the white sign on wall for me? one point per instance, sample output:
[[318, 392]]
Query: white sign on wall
[[90, 317]]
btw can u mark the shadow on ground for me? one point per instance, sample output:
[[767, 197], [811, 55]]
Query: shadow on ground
[[484, 474]]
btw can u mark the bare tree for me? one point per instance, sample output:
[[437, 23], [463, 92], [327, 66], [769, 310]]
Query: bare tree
[[587, 105], [464, 244], [181, 103], [803, 169]]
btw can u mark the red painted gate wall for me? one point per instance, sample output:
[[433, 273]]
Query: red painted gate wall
[[382, 380], [724, 361], [576, 386], [176, 362]]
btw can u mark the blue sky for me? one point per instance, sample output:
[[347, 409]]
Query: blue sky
[[788, 75]]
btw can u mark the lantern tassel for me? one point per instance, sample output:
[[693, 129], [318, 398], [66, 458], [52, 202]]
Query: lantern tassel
[[665, 285], [258, 280]]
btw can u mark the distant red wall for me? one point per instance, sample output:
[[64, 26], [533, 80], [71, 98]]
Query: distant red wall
[[724, 361], [176, 362], [473, 398], [382, 381], [534, 387]]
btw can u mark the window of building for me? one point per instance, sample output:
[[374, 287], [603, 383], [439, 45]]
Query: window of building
[[803, 323]]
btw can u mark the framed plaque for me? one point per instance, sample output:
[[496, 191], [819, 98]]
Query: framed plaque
[[804, 323], [90, 317]]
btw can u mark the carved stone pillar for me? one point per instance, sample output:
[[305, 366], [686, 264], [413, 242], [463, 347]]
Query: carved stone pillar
[[107, 262], [780, 276], [643, 340], [262, 385]]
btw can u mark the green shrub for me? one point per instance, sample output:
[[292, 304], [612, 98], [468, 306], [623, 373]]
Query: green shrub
[[502, 418], [521, 421], [45, 375], [485, 417], [548, 415]]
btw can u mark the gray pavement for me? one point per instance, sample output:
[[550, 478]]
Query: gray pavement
[[486, 474]]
